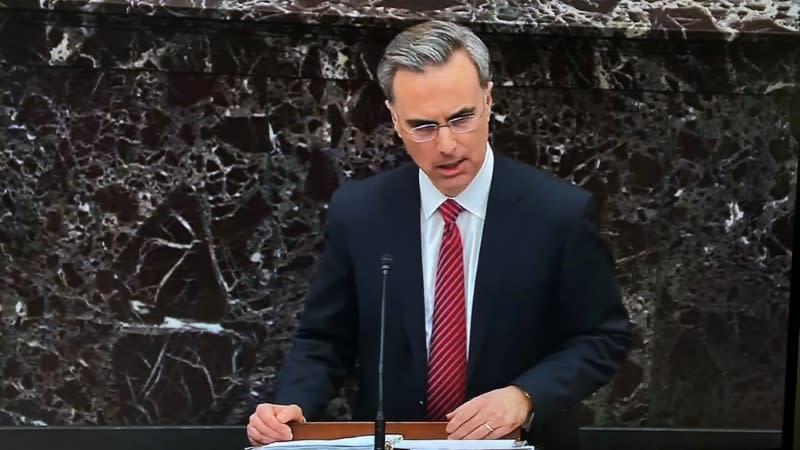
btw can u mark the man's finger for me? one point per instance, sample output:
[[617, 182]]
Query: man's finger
[[480, 432], [458, 416], [281, 431], [472, 427], [263, 410], [255, 437], [499, 433], [290, 413], [272, 433]]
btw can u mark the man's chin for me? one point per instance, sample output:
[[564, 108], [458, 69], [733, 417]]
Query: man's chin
[[451, 186]]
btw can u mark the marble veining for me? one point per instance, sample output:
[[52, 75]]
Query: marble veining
[[288, 51], [629, 18]]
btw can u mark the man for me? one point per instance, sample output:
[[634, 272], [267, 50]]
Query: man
[[502, 309]]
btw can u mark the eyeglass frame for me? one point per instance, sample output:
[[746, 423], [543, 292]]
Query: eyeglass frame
[[437, 125]]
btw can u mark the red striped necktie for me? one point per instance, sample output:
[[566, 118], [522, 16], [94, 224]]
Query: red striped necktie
[[447, 359]]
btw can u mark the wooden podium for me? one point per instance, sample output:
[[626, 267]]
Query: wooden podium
[[409, 430]]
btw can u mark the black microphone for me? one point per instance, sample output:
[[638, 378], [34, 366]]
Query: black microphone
[[380, 421]]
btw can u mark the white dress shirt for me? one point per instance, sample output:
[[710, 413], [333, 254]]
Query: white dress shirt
[[470, 225]]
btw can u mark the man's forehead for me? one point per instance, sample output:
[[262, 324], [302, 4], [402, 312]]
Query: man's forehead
[[441, 90], [436, 108]]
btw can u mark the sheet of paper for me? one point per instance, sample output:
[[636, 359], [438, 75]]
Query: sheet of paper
[[358, 442], [455, 444]]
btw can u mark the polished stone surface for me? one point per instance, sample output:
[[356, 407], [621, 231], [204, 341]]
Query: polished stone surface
[[720, 19], [165, 179]]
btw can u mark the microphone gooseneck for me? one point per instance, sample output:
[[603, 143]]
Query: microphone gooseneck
[[380, 421]]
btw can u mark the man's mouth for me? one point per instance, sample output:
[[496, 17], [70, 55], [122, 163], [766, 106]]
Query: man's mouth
[[450, 165]]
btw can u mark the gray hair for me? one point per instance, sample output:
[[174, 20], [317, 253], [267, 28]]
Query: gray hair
[[431, 43]]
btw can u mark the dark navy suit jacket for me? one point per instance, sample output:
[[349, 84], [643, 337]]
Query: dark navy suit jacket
[[547, 313]]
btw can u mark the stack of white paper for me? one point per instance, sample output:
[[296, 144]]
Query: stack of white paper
[[351, 443], [398, 443], [454, 444]]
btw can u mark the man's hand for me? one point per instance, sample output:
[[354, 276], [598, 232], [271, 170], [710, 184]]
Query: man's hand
[[489, 416], [268, 423]]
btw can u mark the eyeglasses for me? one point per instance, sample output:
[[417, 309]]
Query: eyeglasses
[[460, 125]]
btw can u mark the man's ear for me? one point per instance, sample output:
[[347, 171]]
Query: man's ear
[[393, 115], [391, 111], [489, 86]]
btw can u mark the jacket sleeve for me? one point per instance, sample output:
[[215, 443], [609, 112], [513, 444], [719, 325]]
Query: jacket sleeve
[[324, 346], [593, 325]]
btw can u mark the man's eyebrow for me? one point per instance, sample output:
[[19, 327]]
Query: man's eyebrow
[[412, 123]]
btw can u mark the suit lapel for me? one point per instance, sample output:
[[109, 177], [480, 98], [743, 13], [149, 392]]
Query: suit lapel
[[499, 228], [404, 232]]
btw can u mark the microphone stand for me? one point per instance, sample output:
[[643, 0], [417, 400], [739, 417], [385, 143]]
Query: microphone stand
[[380, 421]]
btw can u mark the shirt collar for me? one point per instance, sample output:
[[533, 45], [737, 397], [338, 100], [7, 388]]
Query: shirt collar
[[473, 199]]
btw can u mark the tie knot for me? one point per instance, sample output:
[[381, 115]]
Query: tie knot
[[449, 210]]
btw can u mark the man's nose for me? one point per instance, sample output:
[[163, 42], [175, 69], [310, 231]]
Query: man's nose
[[445, 140]]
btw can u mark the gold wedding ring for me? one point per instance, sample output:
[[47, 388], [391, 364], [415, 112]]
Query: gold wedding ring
[[488, 427]]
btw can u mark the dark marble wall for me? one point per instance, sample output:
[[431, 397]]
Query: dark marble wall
[[165, 173]]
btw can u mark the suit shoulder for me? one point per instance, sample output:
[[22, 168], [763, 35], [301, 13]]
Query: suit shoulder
[[354, 197], [548, 191]]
